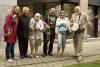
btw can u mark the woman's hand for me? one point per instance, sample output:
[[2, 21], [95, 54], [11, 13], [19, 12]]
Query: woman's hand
[[7, 34]]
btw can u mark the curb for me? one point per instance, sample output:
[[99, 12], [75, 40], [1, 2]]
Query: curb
[[85, 40]]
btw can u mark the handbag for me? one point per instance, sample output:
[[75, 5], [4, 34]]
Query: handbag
[[7, 34], [80, 30], [76, 27]]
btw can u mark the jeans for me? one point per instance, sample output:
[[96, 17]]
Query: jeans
[[9, 50], [61, 39]]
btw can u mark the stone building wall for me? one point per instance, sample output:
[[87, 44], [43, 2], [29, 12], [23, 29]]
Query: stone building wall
[[5, 5]]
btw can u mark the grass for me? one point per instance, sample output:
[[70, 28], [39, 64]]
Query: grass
[[86, 64]]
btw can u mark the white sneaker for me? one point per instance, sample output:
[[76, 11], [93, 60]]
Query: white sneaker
[[15, 58], [79, 58], [31, 56], [10, 60], [36, 56]]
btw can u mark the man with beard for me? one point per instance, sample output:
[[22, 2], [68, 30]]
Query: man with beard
[[49, 34]]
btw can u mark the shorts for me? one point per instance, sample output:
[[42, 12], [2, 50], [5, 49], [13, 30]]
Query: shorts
[[37, 42]]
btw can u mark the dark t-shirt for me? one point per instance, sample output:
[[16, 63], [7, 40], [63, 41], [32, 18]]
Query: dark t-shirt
[[51, 21]]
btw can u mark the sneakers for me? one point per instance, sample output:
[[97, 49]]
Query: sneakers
[[50, 54], [44, 55], [27, 56], [31, 56], [36, 56], [15, 58], [79, 58], [10, 60], [74, 57]]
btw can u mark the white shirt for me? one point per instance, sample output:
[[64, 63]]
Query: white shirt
[[60, 21], [78, 19], [39, 25]]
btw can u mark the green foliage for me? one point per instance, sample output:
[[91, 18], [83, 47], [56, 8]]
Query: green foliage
[[86, 64]]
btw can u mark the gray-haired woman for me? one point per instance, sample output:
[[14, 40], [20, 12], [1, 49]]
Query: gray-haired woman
[[36, 27]]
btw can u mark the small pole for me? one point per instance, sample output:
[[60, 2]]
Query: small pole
[[62, 4]]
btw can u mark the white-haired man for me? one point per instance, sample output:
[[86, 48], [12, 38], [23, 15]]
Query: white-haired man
[[23, 33], [81, 20]]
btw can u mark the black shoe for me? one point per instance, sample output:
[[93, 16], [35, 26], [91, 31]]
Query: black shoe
[[26, 56], [79, 58], [50, 54], [44, 55], [74, 57], [22, 57]]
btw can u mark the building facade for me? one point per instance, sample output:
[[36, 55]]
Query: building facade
[[4, 6], [92, 7], [42, 6]]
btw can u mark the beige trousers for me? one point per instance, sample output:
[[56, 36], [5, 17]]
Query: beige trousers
[[78, 43]]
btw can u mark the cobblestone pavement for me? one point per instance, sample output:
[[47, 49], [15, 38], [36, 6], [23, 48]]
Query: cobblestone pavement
[[91, 52]]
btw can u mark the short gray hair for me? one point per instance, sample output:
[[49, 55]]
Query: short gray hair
[[25, 8], [37, 14]]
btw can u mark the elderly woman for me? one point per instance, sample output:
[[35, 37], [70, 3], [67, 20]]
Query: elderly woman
[[62, 25], [10, 32], [36, 27]]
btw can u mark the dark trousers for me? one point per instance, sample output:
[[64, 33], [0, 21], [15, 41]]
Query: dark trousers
[[47, 49], [9, 51], [23, 45]]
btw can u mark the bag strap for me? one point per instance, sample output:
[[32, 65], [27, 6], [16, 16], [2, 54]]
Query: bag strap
[[79, 18], [48, 18]]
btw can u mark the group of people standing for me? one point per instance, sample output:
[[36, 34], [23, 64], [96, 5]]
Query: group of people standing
[[33, 30]]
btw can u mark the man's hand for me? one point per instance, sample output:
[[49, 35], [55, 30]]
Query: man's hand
[[46, 26], [56, 33]]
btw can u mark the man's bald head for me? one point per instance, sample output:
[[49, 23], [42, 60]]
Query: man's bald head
[[77, 9]]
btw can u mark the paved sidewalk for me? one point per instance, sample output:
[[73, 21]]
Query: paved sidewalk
[[91, 52]]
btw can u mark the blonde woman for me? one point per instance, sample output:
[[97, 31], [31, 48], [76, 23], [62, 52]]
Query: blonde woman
[[36, 27], [62, 25]]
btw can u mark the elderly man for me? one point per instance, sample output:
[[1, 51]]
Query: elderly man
[[49, 34], [80, 19], [23, 32]]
